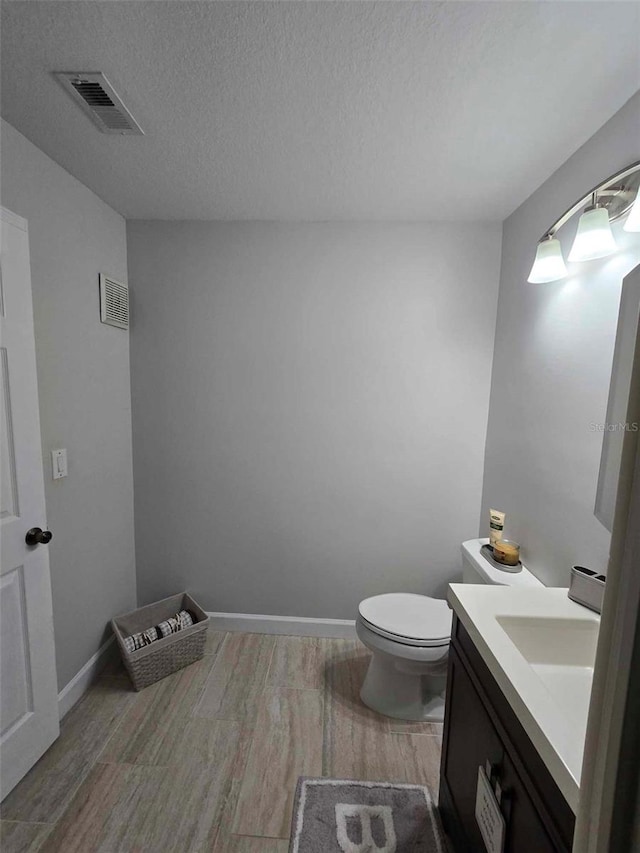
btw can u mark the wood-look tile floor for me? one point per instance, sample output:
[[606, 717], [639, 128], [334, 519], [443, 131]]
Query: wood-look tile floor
[[208, 758]]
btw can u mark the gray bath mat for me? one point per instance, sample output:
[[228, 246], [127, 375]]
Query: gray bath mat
[[343, 816]]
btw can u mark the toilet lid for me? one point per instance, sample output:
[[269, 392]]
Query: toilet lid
[[411, 618]]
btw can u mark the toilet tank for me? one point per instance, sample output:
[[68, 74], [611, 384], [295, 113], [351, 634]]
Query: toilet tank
[[477, 569]]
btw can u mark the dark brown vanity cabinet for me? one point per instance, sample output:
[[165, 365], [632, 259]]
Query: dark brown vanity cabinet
[[482, 730]]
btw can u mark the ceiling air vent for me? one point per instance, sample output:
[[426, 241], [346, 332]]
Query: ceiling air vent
[[114, 302], [99, 100]]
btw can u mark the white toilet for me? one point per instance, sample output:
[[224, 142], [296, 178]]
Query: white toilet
[[409, 636]]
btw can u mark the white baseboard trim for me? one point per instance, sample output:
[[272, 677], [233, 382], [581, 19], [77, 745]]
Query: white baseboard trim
[[81, 681], [297, 626]]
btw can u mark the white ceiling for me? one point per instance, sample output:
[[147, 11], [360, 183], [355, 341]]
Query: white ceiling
[[321, 110]]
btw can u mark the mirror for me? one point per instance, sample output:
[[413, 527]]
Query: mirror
[[616, 422]]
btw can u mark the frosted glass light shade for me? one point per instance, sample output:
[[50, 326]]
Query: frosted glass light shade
[[633, 220], [549, 264], [594, 238]]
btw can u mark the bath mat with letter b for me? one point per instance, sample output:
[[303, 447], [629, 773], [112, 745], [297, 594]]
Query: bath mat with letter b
[[343, 816]]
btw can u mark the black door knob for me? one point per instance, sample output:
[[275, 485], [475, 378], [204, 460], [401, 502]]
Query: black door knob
[[37, 536]]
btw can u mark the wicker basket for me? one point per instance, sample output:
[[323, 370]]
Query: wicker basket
[[155, 661]]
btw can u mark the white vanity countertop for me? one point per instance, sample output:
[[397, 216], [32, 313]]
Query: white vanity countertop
[[550, 700]]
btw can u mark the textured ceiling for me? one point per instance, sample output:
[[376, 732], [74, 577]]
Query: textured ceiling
[[321, 110]]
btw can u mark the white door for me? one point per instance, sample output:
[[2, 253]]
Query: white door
[[28, 684]]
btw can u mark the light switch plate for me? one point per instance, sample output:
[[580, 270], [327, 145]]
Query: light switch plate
[[58, 464]]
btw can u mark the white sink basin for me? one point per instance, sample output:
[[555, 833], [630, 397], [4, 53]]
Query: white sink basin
[[562, 654], [562, 642]]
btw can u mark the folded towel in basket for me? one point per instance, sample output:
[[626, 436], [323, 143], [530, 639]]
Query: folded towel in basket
[[181, 620]]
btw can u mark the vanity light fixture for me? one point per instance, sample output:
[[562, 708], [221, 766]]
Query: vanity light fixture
[[612, 199], [549, 264], [594, 237]]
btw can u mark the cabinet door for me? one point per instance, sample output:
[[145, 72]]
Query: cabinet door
[[472, 741], [525, 831]]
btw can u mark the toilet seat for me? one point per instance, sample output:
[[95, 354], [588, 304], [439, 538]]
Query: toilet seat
[[408, 618]]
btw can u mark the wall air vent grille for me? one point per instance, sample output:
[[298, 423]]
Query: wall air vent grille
[[114, 302], [100, 101]]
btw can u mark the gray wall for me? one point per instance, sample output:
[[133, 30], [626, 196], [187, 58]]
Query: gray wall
[[552, 367], [84, 390], [309, 408]]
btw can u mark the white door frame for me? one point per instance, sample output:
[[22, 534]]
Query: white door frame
[[610, 784]]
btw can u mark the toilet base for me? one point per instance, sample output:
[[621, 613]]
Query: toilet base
[[410, 696]]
